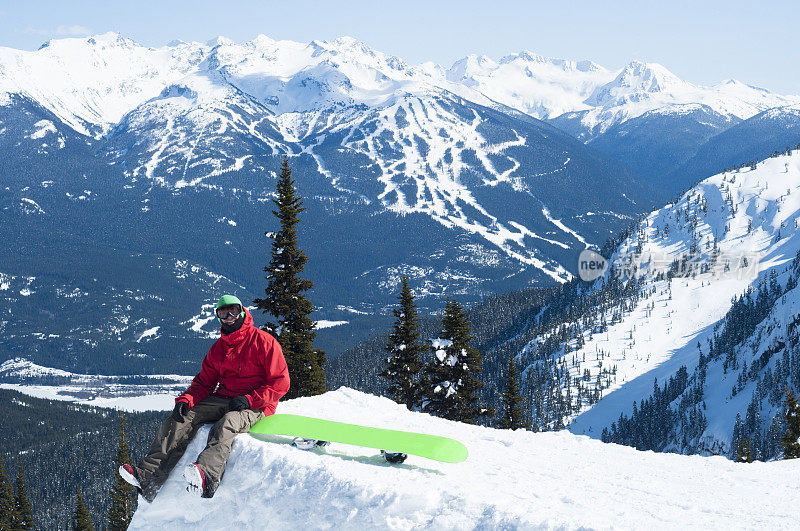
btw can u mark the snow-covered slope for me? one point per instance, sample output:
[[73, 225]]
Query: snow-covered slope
[[744, 385], [511, 480], [737, 230], [196, 128]]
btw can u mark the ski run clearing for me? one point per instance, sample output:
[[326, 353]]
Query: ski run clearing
[[511, 480]]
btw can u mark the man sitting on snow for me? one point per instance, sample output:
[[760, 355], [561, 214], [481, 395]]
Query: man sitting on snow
[[242, 378]]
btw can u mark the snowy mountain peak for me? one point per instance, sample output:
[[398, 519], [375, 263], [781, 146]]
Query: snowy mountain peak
[[351, 50], [736, 84], [472, 65], [90, 83], [112, 38], [635, 81], [351, 44], [101, 40], [540, 86], [588, 66], [220, 41], [651, 77], [261, 40], [642, 87], [527, 56]]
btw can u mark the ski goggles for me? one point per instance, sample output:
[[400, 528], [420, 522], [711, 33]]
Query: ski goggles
[[227, 311]]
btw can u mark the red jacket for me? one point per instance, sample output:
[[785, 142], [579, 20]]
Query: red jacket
[[247, 362]]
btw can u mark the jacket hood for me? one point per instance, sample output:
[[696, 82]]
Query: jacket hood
[[237, 336]]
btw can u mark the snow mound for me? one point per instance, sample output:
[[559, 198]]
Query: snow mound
[[510, 480]]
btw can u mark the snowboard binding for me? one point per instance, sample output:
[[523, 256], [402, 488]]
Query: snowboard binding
[[308, 444], [394, 458], [302, 443]]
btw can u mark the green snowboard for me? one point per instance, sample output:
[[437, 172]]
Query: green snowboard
[[430, 446]]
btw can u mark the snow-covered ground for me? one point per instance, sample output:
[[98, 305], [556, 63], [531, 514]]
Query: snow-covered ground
[[511, 480]]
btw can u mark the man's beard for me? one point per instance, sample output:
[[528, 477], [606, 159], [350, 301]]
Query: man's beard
[[236, 325]]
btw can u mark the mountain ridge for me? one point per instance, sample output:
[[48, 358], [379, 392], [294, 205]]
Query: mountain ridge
[[593, 86]]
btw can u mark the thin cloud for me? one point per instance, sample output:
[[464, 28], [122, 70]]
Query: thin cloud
[[62, 31]]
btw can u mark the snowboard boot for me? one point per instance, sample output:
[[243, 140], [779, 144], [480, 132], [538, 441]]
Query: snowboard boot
[[196, 481], [146, 490]]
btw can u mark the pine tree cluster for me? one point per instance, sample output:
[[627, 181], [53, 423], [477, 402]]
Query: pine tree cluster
[[16, 512], [76, 447], [448, 384], [654, 418]]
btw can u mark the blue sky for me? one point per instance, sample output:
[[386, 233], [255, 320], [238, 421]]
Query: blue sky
[[700, 41]]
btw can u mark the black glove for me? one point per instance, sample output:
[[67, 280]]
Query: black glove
[[239, 403], [180, 411]]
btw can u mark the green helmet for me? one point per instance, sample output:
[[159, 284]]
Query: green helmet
[[228, 300]]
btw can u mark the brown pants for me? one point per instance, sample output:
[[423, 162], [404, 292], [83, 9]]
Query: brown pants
[[173, 438]]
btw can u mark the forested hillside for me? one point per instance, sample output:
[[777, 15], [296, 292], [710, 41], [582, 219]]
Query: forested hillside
[[63, 446]]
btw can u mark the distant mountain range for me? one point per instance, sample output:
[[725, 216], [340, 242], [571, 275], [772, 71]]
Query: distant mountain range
[[137, 182]]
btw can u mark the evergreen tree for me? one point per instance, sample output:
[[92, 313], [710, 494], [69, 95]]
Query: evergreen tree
[[744, 454], [403, 363], [82, 518], [451, 382], [513, 418], [285, 295], [8, 509], [122, 494], [791, 417], [23, 506]]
